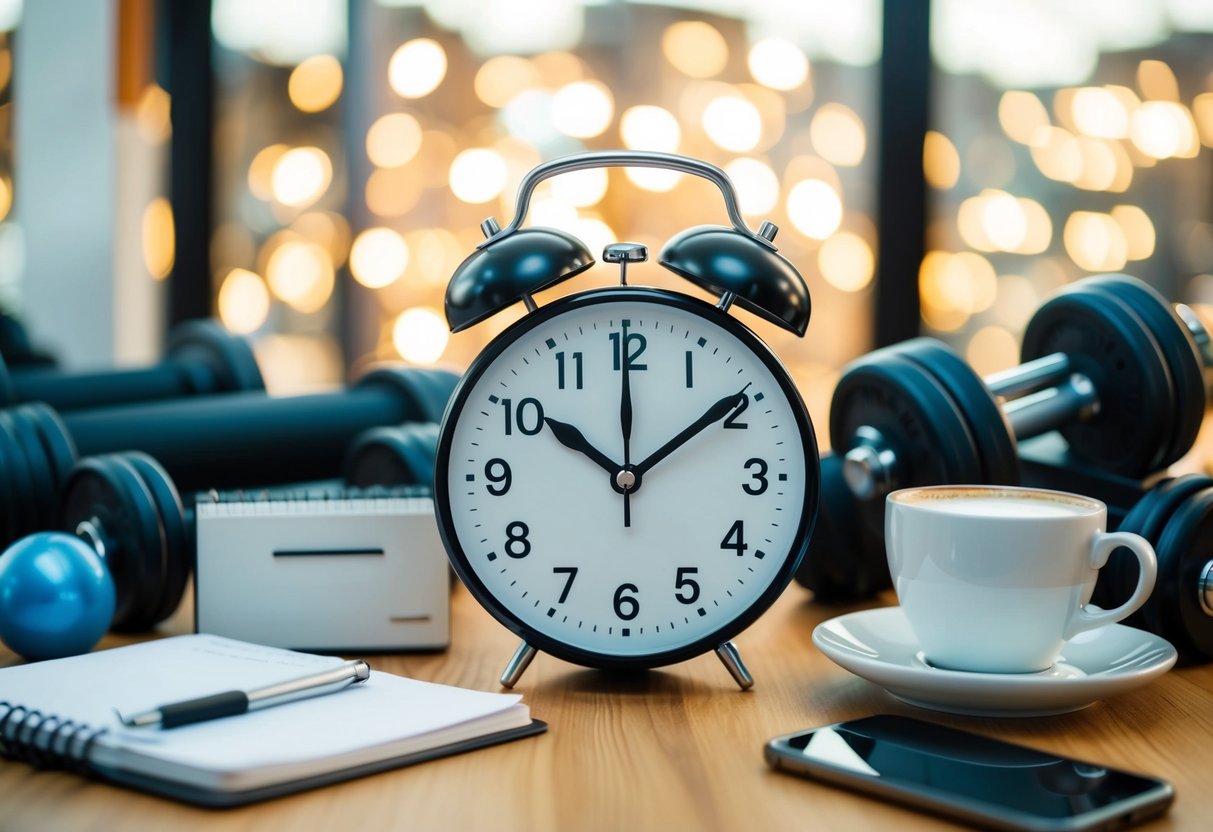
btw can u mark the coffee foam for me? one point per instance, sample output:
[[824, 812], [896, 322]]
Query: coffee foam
[[997, 502]]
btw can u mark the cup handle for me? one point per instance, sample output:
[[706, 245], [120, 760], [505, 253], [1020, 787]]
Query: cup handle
[[1102, 546]]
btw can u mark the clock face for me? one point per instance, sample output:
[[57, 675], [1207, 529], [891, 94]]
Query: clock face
[[626, 477]]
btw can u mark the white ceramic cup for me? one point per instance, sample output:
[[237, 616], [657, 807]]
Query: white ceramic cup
[[996, 579]]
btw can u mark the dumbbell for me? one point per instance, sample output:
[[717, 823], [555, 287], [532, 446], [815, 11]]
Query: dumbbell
[[128, 553], [1174, 513], [210, 441], [1107, 362], [16, 349], [202, 358]]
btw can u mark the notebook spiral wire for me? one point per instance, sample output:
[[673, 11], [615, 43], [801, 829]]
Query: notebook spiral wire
[[44, 740]]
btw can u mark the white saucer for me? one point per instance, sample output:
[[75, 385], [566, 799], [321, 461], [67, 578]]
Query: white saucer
[[879, 646]]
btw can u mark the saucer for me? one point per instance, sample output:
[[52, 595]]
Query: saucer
[[879, 646]]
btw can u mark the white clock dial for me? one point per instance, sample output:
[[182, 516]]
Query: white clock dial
[[638, 551]]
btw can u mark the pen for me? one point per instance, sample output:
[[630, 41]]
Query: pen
[[234, 702]]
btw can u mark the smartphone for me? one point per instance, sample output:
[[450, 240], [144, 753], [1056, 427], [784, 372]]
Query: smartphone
[[972, 778]]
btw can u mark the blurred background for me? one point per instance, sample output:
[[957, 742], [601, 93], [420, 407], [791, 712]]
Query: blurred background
[[312, 172]]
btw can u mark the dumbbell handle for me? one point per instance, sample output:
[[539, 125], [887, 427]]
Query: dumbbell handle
[[1040, 395], [83, 390], [232, 440]]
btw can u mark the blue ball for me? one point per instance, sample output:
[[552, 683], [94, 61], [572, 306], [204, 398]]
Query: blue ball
[[56, 596]]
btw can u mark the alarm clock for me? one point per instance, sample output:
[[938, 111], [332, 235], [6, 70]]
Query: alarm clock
[[627, 477]]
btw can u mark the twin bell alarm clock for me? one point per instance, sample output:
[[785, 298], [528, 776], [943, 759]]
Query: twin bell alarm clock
[[627, 476]]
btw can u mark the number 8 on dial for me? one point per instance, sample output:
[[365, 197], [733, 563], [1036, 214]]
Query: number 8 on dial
[[627, 477]]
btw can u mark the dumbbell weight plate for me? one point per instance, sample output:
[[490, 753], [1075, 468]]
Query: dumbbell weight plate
[[1183, 549], [1109, 343], [987, 423], [916, 416], [844, 562], [228, 357], [1178, 348], [1148, 517], [42, 478], [99, 490], [15, 487], [178, 542], [399, 455], [56, 441]]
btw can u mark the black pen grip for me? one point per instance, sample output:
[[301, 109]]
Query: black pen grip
[[208, 707]]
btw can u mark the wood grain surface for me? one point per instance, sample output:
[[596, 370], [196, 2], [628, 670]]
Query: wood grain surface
[[670, 749]]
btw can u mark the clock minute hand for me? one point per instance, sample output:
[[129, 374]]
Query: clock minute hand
[[713, 414], [571, 437]]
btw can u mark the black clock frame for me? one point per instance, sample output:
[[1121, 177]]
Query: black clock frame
[[590, 658]]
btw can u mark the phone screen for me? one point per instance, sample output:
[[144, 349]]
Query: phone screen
[[970, 776]]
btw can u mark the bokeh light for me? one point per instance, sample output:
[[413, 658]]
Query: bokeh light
[[695, 48], [261, 171], [1095, 241], [992, 349], [478, 175], [647, 127], [757, 185], [301, 275], [581, 188], [582, 109], [814, 208], [733, 123], [1163, 130], [1021, 114], [153, 114], [778, 64], [243, 302], [1100, 112], [420, 335], [378, 257], [846, 261], [940, 161], [417, 68], [301, 176], [393, 140], [316, 83], [393, 192], [838, 135], [159, 238], [501, 78], [1138, 230]]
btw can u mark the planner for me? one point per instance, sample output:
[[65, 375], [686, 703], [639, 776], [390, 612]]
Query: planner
[[64, 713]]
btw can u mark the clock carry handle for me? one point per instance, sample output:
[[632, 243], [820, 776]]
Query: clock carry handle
[[627, 159]]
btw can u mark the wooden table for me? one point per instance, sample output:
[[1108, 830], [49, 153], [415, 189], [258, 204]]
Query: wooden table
[[676, 748]]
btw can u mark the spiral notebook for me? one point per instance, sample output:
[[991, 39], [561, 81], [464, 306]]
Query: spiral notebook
[[60, 713]]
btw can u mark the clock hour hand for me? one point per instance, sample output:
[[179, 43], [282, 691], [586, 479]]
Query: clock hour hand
[[571, 437], [713, 414]]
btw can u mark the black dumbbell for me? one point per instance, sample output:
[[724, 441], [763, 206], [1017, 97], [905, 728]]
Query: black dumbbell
[[1174, 513], [202, 358], [209, 442], [392, 455], [17, 351], [1108, 363]]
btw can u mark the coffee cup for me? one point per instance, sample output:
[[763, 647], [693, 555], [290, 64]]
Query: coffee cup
[[996, 579]]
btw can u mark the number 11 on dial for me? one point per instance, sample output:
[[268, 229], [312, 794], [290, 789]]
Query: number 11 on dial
[[626, 478]]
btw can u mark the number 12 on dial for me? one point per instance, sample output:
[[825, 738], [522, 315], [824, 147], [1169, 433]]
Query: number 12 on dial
[[626, 478]]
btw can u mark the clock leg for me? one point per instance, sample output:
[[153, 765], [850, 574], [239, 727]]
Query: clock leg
[[732, 661], [517, 664]]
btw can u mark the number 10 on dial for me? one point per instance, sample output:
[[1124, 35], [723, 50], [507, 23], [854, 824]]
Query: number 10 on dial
[[626, 478]]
